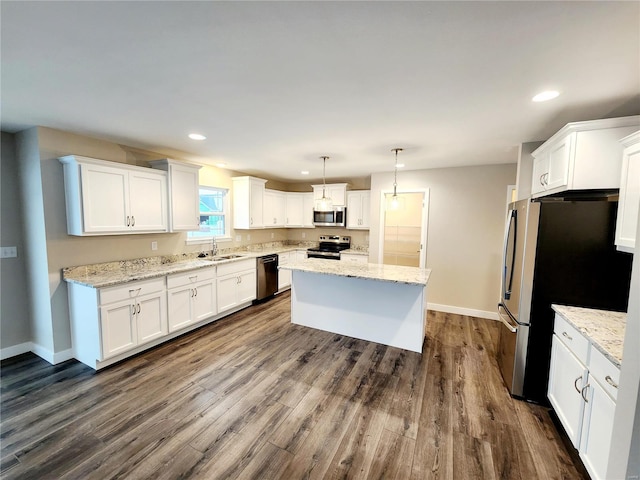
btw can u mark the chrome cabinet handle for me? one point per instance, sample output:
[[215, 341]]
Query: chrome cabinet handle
[[566, 335], [191, 292], [137, 290], [128, 221], [196, 292], [133, 221], [575, 384], [193, 278], [611, 382], [582, 393]]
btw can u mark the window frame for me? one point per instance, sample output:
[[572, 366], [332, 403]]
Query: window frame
[[197, 237]]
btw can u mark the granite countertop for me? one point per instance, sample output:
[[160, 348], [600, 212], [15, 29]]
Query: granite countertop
[[352, 251], [370, 271], [109, 274], [604, 329]]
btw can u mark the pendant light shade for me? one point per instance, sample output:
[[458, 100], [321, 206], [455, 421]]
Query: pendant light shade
[[324, 204]]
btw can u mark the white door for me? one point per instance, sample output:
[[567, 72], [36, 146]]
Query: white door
[[558, 175], [307, 210], [294, 207], [226, 292], [118, 328], [256, 204], [204, 301], [567, 376], [597, 430], [404, 229], [151, 318], [246, 286], [179, 308], [104, 198], [148, 202], [185, 199]]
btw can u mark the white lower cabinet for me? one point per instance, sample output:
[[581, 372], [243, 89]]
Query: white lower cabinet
[[567, 377], [583, 390], [284, 276], [131, 316], [236, 284], [191, 297]]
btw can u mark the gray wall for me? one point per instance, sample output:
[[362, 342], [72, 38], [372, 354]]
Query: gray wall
[[14, 305], [467, 208]]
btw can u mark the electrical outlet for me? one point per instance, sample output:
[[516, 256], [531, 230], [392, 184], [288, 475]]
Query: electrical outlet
[[304, 235], [9, 252], [238, 238], [248, 237], [154, 245], [272, 235]]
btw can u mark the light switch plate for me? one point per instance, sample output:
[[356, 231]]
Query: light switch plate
[[9, 252], [154, 245]]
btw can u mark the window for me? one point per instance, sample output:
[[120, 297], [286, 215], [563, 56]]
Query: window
[[214, 213]]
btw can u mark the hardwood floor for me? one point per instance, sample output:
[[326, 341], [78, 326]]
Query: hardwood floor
[[253, 396]]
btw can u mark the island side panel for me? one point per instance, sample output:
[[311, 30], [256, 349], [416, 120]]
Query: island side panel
[[384, 312]]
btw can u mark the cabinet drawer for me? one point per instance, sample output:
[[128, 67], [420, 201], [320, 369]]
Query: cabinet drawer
[[130, 290], [283, 258], [605, 372], [572, 338], [236, 267], [191, 277]]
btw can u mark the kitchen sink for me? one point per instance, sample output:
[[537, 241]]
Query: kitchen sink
[[224, 257]]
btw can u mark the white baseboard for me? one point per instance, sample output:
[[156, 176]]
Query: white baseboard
[[15, 350], [52, 357], [463, 311]]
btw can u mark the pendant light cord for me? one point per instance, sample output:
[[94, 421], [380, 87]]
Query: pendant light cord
[[395, 172]]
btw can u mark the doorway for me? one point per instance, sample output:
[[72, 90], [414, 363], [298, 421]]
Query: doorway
[[404, 229]]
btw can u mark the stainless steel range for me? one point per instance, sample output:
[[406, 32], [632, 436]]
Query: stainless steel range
[[330, 247]]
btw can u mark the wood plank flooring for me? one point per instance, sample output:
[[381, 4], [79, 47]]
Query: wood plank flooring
[[254, 397]]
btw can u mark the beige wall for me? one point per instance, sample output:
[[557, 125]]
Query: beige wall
[[14, 305], [465, 231]]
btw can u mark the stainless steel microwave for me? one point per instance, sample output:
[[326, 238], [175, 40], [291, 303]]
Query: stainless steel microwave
[[336, 217]]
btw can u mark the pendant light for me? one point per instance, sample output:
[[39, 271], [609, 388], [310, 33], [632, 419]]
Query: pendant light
[[395, 203], [324, 204]]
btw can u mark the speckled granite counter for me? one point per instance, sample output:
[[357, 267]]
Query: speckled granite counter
[[604, 329], [370, 271], [102, 275]]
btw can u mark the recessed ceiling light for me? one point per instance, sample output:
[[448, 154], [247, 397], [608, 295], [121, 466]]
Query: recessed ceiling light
[[546, 95], [196, 136], [399, 165], [304, 172], [221, 165]]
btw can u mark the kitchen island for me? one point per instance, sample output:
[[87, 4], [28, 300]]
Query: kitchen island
[[379, 303]]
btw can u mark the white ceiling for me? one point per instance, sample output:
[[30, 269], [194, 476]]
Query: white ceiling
[[275, 85]]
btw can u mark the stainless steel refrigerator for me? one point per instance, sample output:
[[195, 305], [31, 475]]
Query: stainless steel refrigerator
[[556, 250]]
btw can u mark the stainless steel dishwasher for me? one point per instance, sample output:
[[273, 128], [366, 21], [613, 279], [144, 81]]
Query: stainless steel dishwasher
[[267, 276]]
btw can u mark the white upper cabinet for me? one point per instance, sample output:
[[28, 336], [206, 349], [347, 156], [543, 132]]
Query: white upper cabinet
[[184, 197], [581, 156], [274, 209], [627, 220], [358, 205], [299, 207], [336, 191], [248, 202], [107, 198]]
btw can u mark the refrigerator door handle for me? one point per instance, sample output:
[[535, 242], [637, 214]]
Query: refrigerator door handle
[[507, 323], [510, 317], [513, 220]]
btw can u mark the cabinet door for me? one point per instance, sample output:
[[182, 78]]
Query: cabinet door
[[148, 202], [185, 199], [567, 376], [354, 210], [627, 220], [118, 328], [307, 210], [284, 276], [151, 318], [559, 155], [539, 175], [246, 286], [104, 198], [226, 292], [279, 209], [597, 430], [366, 206], [179, 307], [256, 204], [204, 301], [294, 209]]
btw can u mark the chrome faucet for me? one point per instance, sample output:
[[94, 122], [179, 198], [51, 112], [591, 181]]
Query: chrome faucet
[[214, 247]]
